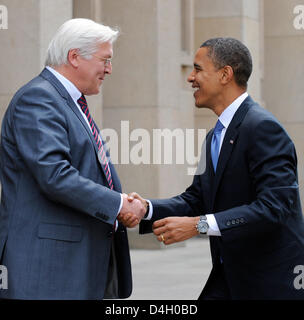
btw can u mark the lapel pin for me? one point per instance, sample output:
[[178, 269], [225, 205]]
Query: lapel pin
[[231, 141]]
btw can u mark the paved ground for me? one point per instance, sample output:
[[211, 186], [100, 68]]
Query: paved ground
[[171, 273]]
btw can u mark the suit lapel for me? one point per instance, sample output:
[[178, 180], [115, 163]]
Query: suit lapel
[[46, 74], [209, 164], [229, 143], [82, 120]]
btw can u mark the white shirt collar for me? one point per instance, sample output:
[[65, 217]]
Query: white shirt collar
[[71, 89], [69, 86], [229, 112]]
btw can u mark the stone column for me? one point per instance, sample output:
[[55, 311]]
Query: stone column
[[284, 69], [146, 91], [31, 25], [91, 9], [240, 19]]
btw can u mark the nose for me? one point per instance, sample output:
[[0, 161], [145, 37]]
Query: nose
[[108, 68], [191, 77]]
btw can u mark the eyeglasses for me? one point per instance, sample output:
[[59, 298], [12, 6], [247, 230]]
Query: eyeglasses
[[107, 61]]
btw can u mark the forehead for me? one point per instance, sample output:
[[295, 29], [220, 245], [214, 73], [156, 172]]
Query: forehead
[[201, 57], [105, 49]]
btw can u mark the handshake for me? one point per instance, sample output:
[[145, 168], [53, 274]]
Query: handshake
[[133, 210], [167, 230]]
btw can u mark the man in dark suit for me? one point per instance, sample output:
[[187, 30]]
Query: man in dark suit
[[59, 235], [247, 200]]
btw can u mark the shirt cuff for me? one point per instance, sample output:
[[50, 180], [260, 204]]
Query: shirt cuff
[[116, 221], [213, 229], [121, 203], [150, 213]]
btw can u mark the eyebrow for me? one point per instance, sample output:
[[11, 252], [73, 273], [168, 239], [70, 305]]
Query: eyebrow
[[197, 66]]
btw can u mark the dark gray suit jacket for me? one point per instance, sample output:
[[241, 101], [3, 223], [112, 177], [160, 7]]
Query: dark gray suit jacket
[[57, 210]]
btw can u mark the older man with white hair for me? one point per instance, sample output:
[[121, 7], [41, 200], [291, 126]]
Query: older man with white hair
[[59, 233]]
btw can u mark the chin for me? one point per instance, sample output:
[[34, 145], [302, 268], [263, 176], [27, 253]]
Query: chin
[[199, 105], [96, 91]]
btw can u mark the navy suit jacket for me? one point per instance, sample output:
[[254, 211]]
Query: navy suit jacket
[[57, 210], [254, 196]]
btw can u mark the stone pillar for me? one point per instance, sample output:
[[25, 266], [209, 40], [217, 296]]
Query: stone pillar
[[240, 19], [91, 9], [284, 69], [31, 25], [146, 91]]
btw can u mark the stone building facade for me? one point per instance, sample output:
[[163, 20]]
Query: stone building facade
[[152, 59]]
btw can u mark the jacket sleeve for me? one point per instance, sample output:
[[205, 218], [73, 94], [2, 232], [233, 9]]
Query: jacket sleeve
[[189, 203], [41, 135]]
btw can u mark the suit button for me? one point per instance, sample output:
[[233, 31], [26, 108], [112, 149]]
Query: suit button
[[233, 221], [242, 220], [102, 216], [228, 223], [237, 221]]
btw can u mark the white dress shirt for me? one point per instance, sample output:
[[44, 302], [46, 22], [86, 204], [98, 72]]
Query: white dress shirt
[[75, 95], [71, 89], [225, 119]]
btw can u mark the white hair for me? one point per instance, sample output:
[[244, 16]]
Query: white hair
[[82, 34]]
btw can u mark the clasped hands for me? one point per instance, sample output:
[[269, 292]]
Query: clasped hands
[[168, 230], [133, 210]]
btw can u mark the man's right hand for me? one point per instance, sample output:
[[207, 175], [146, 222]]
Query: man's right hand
[[134, 195], [132, 211]]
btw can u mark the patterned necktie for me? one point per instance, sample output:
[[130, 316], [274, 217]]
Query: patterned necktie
[[95, 131], [215, 143]]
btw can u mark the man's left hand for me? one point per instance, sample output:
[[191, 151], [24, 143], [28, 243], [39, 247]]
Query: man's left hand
[[175, 229]]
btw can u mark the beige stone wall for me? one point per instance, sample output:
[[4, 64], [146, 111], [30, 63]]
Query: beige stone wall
[[284, 70], [240, 19], [146, 86], [91, 9], [152, 59], [31, 25]]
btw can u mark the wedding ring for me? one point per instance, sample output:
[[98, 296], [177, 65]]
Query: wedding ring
[[162, 238]]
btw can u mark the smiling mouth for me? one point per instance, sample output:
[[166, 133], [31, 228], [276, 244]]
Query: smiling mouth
[[195, 90]]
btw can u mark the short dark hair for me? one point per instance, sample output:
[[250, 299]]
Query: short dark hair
[[231, 52]]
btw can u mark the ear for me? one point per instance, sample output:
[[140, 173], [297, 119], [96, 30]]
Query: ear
[[227, 74], [73, 57]]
